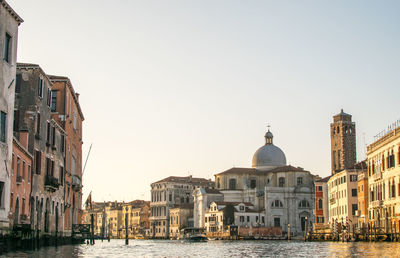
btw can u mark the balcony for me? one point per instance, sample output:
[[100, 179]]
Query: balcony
[[19, 179], [377, 176], [51, 183], [76, 183], [375, 204], [332, 200]]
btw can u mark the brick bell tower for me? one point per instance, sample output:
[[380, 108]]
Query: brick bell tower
[[343, 142]]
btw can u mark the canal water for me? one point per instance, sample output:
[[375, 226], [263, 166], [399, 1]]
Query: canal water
[[165, 248]]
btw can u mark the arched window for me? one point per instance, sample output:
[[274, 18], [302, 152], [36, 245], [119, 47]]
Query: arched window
[[334, 130], [253, 183], [338, 129], [232, 183], [304, 204], [277, 204], [320, 204], [345, 130], [281, 182]]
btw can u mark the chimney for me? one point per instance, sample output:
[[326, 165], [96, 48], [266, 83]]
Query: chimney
[[77, 96], [24, 138]]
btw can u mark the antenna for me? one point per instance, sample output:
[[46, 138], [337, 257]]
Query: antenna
[[365, 146], [87, 157]]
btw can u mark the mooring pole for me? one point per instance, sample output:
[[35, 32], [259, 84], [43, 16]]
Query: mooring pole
[[126, 226], [92, 229], [288, 233]]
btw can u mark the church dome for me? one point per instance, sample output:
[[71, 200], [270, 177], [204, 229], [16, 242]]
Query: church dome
[[268, 156]]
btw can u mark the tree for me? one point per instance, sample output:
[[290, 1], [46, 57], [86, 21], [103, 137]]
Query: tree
[[229, 214]]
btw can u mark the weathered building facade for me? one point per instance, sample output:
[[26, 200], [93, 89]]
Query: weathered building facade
[[21, 168], [46, 143], [9, 22], [169, 193], [66, 111]]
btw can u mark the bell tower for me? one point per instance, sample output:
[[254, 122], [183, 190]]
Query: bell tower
[[343, 142]]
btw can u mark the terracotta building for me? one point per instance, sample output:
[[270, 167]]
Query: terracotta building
[[46, 143], [362, 191], [66, 111], [20, 186], [321, 211]]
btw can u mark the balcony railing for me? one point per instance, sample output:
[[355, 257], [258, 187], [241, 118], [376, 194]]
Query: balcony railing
[[377, 176], [51, 182], [76, 183], [378, 203]]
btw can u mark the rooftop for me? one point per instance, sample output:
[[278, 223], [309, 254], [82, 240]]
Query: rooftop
[[11, 12], [185, 179]]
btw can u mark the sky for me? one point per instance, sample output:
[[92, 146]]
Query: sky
[[178, 88]]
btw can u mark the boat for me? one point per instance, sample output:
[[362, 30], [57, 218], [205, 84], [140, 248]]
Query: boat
[[193, 234]]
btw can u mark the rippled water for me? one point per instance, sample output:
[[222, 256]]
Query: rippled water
[[165, 248]]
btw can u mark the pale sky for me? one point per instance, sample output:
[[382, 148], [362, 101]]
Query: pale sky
[[189, 87]]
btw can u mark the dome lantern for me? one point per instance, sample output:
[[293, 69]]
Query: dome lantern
[[268, 156]]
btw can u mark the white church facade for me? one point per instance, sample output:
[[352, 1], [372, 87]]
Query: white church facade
[[283, 193]]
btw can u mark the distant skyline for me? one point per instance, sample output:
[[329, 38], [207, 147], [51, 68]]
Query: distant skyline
[[172, 88]]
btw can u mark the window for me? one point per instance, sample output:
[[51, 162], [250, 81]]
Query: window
[[18, 167], [253, 183], [277, 204], [320, 207], [38, 161], [61, 175], [232, 183], [48, 167], [48, 97], [353, 178], [354, 207], [40, 87], [281, 182], [304, 204], [7, 48], [74, 119], [218, 183], [320, 188], [38, 124], [354, 192], [23, 170], [241, 218], [299, 181], [53, 136], [277, 222], [241, 207], [29, 173], [3, 119], [48, 133], [248, 218]]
